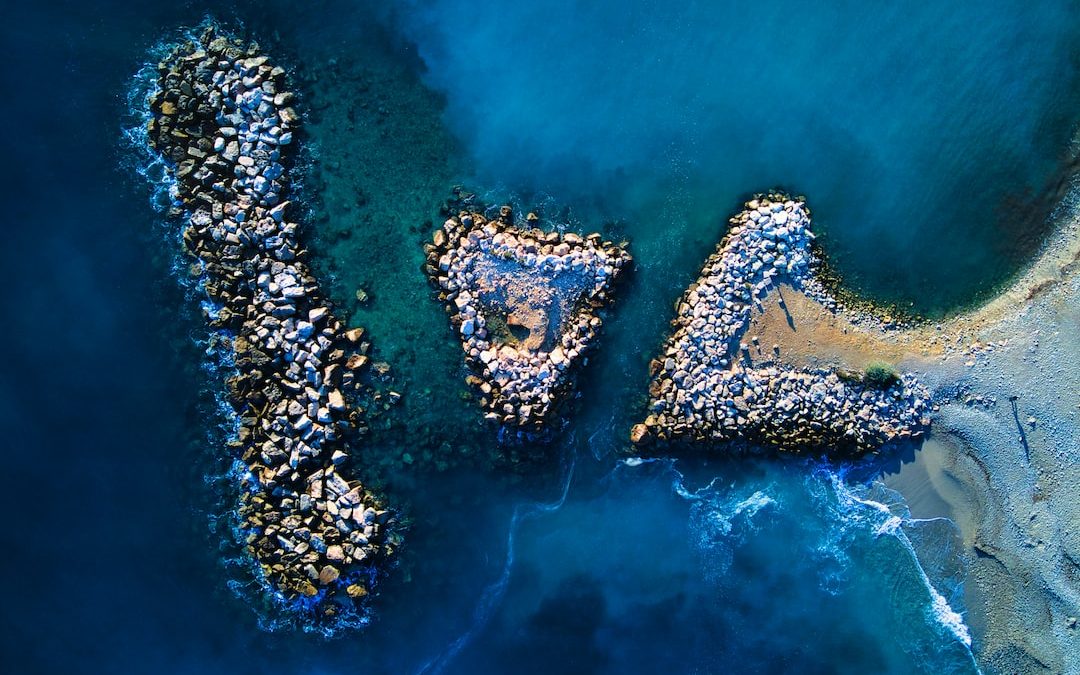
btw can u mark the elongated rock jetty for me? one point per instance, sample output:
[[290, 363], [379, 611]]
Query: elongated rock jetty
[[705, 389], [524, 303], [222, 121]]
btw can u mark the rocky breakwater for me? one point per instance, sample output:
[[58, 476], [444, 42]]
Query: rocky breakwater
[[705, 387], [524, 303], [221, 119]]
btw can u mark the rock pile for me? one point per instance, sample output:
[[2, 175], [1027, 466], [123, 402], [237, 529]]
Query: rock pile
[[703, 390], [524, 303], [222, 121]]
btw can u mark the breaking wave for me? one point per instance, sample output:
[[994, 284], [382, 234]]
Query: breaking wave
[[858, 538]]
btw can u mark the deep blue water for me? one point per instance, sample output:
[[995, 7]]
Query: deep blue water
[[924, 135], [911, 129]]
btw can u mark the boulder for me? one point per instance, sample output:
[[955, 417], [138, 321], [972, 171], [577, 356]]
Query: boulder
[[328, 575]]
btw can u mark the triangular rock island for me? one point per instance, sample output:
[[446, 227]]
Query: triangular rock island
[[524, 303]]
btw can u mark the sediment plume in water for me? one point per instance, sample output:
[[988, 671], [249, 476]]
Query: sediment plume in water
[[222, 121]]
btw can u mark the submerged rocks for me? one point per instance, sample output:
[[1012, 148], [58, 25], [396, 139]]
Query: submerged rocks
[[704, 389], [216, 119], [524, 303]]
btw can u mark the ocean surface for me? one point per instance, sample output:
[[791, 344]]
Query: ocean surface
[[929, 138]]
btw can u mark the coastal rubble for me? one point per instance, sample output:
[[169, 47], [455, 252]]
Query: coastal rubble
[[524, 303], [705, 387], [221, 119]]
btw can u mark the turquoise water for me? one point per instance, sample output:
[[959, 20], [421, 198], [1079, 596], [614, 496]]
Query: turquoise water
[[913, 130]]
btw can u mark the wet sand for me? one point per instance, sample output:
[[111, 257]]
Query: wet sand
[[931, 489], [1008, 391]]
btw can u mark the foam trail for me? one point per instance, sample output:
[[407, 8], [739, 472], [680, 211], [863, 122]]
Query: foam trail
[[608, 432], [719, 518], [493, 594], [715, 514], [939, 610]]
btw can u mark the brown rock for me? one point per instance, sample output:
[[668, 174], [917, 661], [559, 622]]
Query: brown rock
[[356, 361], [639, 433], [328, 575]]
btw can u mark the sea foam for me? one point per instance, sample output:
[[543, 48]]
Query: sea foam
[[856, 507]]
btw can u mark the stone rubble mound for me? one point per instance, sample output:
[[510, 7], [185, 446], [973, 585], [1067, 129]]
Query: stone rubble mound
[[704, 391], [524, 303], [222, 120]]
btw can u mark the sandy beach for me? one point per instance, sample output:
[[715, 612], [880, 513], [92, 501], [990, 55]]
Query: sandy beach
[[1003, 457], [1012, 430]]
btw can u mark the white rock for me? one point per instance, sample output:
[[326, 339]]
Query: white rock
[[336, 400]]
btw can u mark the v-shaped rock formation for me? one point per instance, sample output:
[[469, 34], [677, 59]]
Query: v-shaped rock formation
[[705, 387], [524, 303]]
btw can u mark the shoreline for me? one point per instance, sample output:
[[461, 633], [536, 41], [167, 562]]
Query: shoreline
[[1007, 464], [928, 483], [999, 459]]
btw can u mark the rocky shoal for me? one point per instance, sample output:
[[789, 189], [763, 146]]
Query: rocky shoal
[[704, 386], [524, 303], [222, 120]]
